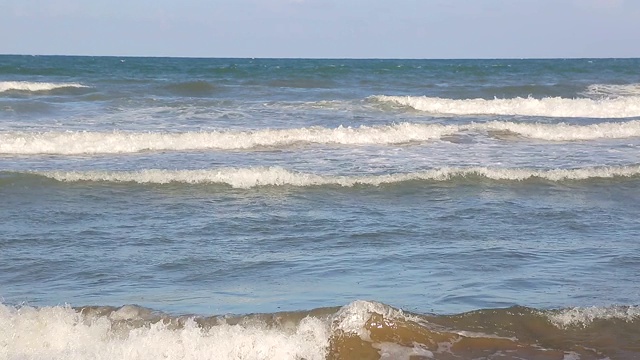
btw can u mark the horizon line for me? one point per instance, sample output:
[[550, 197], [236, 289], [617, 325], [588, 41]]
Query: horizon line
[[321, 58]]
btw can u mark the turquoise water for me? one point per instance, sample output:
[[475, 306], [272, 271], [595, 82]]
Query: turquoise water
[[239, 186]]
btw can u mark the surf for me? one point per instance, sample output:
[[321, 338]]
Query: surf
[[91, 142], [251, 177], [358, 330], [27, 86], [608, 108], [75, 142]]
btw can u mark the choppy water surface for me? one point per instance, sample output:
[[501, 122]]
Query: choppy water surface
[[319, 209]]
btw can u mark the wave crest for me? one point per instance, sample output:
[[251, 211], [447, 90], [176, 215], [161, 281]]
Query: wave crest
[[73, 143], [277, 176], [35, 86], [361, 329], [585, 316], [623, 107], [563, 131], [120, 142], [66, 333]]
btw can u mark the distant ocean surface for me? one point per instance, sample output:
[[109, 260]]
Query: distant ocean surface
[[165, 208]]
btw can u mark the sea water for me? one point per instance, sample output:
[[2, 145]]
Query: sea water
[[319, 209]]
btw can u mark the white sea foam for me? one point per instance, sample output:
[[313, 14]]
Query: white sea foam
[[352, 318], [563, 131], [60, 332], [395, 351], [73, 142], [277, 176], [622, 107], [584, 316], [54, 333], [35, 86], [121, 142]]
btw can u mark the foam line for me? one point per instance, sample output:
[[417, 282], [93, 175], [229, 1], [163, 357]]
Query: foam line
[[278, 176], [74, 142], [65, 333], [133, 332], [585, 316], [563, 131], [35, 86], [622, 107], [121, 142]]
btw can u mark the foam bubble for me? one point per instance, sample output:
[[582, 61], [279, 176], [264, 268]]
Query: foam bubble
[[74, 143], [278, 176], [623, 107], [235, 177], [395, 351], [584, 316], [565, 132], [120, 142], [571, 355], [35, 86], [352, 318], [64, 333]]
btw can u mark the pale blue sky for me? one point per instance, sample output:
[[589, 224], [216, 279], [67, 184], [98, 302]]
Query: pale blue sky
[[323, 28]]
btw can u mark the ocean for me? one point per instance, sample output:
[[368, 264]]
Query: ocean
[[182, 208]]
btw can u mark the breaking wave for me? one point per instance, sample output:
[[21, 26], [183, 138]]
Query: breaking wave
[[585, 316], [120, 142], [71, 142], [35, 86], [278, 176], [359, 330], [622, 107], [563, 131]]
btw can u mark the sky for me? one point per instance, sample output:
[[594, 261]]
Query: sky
[[323, 28]]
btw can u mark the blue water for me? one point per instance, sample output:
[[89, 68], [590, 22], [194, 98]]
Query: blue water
[[213, 186]]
